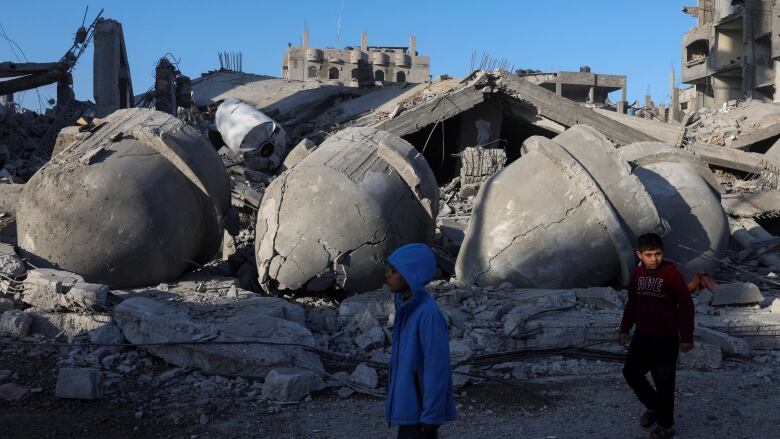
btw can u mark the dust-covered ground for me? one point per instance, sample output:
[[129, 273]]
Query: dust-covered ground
[[740, 400]]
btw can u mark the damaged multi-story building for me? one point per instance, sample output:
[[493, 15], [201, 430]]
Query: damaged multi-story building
[[732, 52], [356, 66], [584, 86]]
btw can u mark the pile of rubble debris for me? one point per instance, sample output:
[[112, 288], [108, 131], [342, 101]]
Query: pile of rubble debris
[[245, 256]]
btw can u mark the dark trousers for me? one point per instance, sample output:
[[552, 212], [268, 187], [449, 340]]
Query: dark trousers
[[415, 432], [658, 355]]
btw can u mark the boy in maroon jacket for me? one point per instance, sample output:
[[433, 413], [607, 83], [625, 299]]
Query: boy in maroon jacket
[[660, 307]]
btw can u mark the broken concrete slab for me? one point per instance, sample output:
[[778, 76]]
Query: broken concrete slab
[[272, 342], [313, 238], [749, 234], [726, 343], [290, 384], [15, 323], [79, 383], [129, 218], [54, 290], [738, 293], [54, 324], [372, 339], [107, 334]]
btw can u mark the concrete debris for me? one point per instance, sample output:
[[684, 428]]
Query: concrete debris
[[742, 293], [258, 138], [298, 153], [290, 384], [372, 339], [15, 323], [378, 303], [741, 125], [10, 263], [477, 164], [146, 321], [79, 383], [726, 343], [703, 356], [149, 235], [53, 290], [600, 298], [366, 376], [56, 324], [388, 201], [6, 305], [106, 334]]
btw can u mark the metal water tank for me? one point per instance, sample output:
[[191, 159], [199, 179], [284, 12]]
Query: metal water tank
[[380, 58], [403, 60]]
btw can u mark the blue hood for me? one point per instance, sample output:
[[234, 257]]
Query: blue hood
[[416, 263]]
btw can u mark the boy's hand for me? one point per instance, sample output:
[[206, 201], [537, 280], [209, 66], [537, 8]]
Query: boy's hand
[[624, 339], [686, 347]]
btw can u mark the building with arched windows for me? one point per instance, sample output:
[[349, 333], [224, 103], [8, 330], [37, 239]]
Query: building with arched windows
[[356, 66]]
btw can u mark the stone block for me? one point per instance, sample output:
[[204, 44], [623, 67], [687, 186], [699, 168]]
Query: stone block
[[15, 323], [738, 293], [726, 343], [379, 303], [88, 296], [373, 339], [79, 383], [290, 384], [459, 351], [6, 305], [366, 376], [106, 334]]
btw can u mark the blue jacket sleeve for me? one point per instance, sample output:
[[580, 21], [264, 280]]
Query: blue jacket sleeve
[[437, 372]]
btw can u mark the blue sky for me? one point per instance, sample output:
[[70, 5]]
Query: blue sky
[[640, 39]]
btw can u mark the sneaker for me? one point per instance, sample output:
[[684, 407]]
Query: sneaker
[[662, 433], [647, 419]]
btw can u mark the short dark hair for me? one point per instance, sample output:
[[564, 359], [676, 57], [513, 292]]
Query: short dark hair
[[649, 241]]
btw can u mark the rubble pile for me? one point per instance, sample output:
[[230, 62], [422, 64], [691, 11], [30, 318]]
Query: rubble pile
[[725, 126], [21, 152]]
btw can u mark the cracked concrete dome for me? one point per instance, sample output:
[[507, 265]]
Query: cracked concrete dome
[[330, 221], [696, 231], [137, 202], [563, 215]]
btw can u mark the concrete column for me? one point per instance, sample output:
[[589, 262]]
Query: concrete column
[[364, 42], [592, 94], [64, 90], [558, 86], [623, 94], [412, 45], [777, 80], [112, 86]]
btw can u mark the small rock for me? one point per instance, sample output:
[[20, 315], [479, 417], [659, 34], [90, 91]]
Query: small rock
[[345, 392], [79, 383], [459, 351], [106, 334], [15, 323], [365, 375], [374, 338], [290, 384], [6, 305], [703, 356]]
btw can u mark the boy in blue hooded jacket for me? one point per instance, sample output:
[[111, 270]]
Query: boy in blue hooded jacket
[[419, 391]]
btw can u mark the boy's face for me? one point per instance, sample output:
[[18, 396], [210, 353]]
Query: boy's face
[[651, 258], [394, 281]]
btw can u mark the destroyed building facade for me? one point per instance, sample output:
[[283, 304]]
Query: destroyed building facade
[[356, 66], [583, 87], [733, 51]]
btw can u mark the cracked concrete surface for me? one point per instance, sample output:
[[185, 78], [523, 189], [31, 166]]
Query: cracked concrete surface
[[688, 205], [140, 212], [546, 235], [329, 222]]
